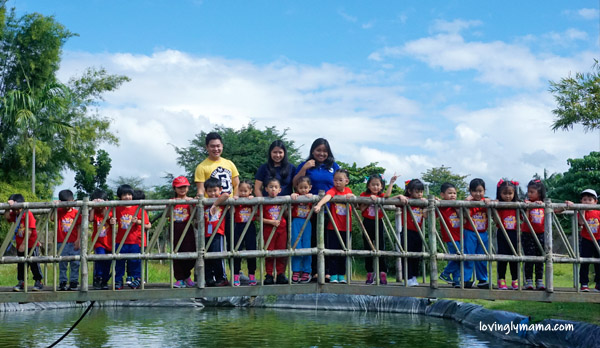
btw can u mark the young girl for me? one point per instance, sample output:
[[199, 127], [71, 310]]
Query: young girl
[[536, 193], [337, 264], [471, 242], [507, 192], [242, 216], [182, 269], [414, 190], [103, 241], [450, 274], [375, 190], [273, 221], [301, 265]]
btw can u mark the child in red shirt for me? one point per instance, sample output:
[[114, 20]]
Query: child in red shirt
[[414, 190], [450, 274], [507, 192], [536, 193], [243, 217], [102, 234], [70, 246], [276, 224], [25, 228], [215, 268], [301, 265], [340, 212], [182, 268]]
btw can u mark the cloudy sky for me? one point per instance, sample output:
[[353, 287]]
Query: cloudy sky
[[409, 84]]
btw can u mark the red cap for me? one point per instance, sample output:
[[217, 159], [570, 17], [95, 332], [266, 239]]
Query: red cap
[[180, 181]]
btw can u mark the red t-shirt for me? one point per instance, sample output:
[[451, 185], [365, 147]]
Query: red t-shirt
[[211, 221], [536, 217], [301, 210], [243, 213], [508, 217], [271, 212], [66, 219], [452, 220], [20, 231], [182, 212], [479, 217], [339, 211], [124, 219], [593, 219], [410, 223], [369, 212], [105, 238]]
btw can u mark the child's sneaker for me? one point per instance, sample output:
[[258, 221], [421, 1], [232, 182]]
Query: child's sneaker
[[97, 282], [333, 279], [20, 286], [383, 278], [243, 278], [236, 280], [539, 285], [136, 283], [128, 280], [269, 280], [179, 284], [446, 277], [104, 285], [528, 284], [483, 284], [222, 282], [306, 278], [251, 280], [118, 285], [73, 286], [296, 277], [370, 278], [189, 283], [584, 288], [63, 286], [281, 279], [597, 287], [413, 282], [515, 285], [502, 284], [38, 285], [341, 279]]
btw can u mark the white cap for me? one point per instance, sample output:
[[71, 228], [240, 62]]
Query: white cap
[[590, 192]]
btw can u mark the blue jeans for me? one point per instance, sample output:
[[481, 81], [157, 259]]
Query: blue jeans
[[102, 268], [472, 246], [134, 266], [69, 250], [453, 267], [301, 263]]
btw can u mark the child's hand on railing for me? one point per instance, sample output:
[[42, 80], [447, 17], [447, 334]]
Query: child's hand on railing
[[294, 195]]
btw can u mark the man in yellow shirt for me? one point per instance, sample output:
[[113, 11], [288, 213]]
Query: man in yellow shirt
[[216, 167]]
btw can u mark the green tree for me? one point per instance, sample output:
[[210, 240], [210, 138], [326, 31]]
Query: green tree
[[247, 148], [93, 177], [435, 177], [583, 173], [578, 100]]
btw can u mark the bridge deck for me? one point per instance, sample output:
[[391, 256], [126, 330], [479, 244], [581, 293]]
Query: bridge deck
[[163, 291]]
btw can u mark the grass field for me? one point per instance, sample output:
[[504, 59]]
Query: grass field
[[563, 277]]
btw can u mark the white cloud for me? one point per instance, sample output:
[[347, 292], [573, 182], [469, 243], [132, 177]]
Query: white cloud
[[455, 26], [347, 17], [589, 13]]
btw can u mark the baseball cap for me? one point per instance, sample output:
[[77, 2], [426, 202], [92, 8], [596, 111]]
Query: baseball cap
[[180, 181], [589, 192]]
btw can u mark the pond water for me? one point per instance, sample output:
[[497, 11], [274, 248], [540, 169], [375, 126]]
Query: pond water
[[235, 327]]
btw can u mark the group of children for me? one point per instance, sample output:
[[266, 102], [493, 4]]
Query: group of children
[[129, 221]]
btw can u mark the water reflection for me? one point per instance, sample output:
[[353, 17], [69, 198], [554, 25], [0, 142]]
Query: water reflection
[[235, 327]]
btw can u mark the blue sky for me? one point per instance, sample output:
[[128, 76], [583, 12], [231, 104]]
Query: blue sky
[[410, 84]]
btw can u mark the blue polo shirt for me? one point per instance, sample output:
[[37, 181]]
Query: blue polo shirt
[[286, 183], [321, 177]]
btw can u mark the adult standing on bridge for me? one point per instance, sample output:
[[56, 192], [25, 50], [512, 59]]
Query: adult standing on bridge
[[215, 166], [319, 167], [278, 167]]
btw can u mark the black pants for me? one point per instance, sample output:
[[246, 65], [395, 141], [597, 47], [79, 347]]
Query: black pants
[[335, 264], [215, 268], [531, 249], [370, 227], [249, 243], [413, 243], [34, 266], [504, 249], [588, 249], [182, 269]]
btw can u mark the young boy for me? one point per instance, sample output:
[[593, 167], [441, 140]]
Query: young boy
[[127, 219], [587, 247], [450, 274], [25, 227], [103, 243], [69, 242], [214, 268], [272, 221]]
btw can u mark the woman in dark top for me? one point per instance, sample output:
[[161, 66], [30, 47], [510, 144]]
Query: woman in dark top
[[277, 166]]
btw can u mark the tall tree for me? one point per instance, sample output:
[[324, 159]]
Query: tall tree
[[583, 173], [578, 100], [93, 177], [435, 177]]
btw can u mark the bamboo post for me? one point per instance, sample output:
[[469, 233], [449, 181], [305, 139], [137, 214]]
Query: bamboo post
[[433, 270], [321, 244], [548, 246], [398, 221], [83, 245]]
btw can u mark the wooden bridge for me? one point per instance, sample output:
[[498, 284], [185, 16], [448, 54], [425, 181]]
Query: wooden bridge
[[560, 246]]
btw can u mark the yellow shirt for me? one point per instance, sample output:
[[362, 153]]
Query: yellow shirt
[[223, 169]]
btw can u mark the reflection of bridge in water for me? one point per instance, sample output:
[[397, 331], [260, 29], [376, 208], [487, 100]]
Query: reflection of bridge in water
[[560, 246]]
